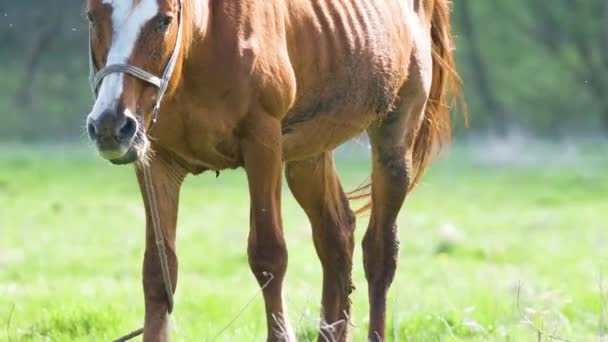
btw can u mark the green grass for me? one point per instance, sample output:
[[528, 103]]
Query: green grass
[[475, 231]]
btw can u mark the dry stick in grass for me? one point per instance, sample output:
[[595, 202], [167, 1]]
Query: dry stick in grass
[[347, 322], [8, 323], [281, 322], [301, 319], [449, 328], [539, 332], [603, 308], [600, 323], [323, 326], [302, 316], [325, 338], [326, 328], [395, 320], [331, 328], [271, 277]]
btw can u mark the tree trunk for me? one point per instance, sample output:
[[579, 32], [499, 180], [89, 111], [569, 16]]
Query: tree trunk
[[479, 71], [34, 59], [599, 90], [587, 36]]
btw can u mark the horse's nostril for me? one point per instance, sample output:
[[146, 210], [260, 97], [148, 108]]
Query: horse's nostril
[[128, 128], [92, 130]]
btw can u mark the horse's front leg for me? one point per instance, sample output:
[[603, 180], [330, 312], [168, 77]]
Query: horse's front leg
[[165, 180], [262, 156]]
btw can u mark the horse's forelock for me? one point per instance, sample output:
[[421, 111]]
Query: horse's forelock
[[128, 18]]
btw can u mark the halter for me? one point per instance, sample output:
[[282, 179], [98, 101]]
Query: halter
[[162, 83], [95, 79]]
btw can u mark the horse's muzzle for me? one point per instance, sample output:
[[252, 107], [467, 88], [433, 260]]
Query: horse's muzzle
[[116, 136], [132, 155]]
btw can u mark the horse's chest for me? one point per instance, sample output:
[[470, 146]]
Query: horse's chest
[[206, 142], [215, 146]]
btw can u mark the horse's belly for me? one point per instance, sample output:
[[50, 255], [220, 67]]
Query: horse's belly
[[350, 58], [339, 104], [323, 133]]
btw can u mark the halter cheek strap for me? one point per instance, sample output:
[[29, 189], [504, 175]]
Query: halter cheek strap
[[162, 83]]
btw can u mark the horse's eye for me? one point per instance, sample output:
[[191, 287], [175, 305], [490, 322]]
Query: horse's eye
[[91, 19], [163, 23]]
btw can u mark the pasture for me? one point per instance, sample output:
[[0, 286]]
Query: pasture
[[495, 246]]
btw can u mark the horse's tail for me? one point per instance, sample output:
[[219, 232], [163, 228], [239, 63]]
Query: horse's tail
[[435, 129]]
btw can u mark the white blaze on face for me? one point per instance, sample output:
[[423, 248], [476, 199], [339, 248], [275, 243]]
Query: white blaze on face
[[128, 19]]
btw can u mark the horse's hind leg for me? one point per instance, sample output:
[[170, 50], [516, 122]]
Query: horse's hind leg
[[316, 187], [392, 141]]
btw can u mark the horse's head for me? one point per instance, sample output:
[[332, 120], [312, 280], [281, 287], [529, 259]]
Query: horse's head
[[133, 50]]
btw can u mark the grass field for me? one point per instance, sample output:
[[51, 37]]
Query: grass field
[[478, 231]]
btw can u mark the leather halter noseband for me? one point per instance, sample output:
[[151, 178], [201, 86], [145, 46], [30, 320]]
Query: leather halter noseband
[[162, 83]]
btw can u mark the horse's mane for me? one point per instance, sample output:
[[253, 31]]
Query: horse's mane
[[187, 26]]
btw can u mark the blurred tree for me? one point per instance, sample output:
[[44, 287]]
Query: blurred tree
[[479, 72], [576, 31], [45, 37], [536, 65]]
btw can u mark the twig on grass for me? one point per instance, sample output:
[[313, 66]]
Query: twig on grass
[[603, 308], [539, 332], [325, 337], [8, 323], [301, 318], [282, 330], [332, 328], [449, 328], [254, 297], [347, 323]]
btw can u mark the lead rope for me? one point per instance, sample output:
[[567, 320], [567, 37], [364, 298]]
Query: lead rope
[[162, 83], [160, 246]]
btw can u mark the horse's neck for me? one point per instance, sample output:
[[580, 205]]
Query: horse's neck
[[215, 24], [201, 14], [214, 29]]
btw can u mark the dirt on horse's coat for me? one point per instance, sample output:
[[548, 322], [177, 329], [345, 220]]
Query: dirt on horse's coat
[[273, 83]]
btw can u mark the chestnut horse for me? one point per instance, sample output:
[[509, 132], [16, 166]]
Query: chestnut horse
[[262, 84]]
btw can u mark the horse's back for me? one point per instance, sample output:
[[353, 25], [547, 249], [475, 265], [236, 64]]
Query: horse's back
[[350, 58]]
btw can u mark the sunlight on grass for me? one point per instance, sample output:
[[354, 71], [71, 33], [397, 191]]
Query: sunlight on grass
[[475, 233]]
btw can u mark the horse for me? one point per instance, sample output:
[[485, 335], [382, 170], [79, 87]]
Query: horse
[[187, 86]]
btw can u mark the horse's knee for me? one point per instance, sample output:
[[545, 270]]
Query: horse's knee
[[336, 250], [267, 258], [335, 237], [380, 255], [392, 164]]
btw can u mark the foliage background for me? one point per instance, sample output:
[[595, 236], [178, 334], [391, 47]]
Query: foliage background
[[538, 67]]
